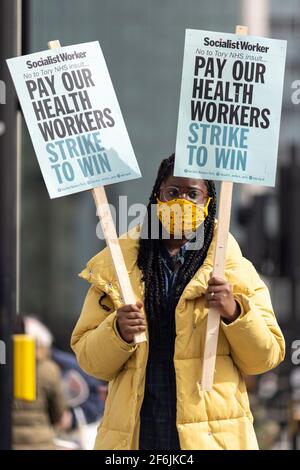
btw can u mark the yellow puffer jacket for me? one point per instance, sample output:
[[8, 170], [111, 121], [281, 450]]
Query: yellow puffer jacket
[[252, 344]]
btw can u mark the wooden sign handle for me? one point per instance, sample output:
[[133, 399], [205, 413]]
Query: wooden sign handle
[[109, 230], [113, 244], [213, 318]]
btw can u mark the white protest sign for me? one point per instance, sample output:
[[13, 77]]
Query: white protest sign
[[74, 118], [230, 107]]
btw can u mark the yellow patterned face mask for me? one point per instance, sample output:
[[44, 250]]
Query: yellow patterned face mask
[[181, 217]]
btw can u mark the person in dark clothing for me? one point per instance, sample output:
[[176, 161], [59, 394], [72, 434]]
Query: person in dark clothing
[[34, 422], [82, 390]]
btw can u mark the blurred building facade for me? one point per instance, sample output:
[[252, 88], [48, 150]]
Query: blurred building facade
[[285, 24], [271, 228]]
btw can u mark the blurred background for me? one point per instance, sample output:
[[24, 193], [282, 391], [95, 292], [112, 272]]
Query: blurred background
[[45, 244]]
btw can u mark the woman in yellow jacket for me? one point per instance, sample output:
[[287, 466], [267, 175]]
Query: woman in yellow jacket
[[155, 400]]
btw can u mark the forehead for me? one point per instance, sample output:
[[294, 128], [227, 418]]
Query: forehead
[[185, 183]]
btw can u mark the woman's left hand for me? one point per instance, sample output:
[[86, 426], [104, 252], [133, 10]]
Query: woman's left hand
[[219, 296]]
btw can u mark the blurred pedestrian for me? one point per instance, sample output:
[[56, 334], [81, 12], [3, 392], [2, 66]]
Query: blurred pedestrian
[[155, 400], [34, 422], [82, 390]]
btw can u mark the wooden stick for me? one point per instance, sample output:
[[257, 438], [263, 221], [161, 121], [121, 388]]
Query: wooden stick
[[113, 244], [109, 230], [213, 318]]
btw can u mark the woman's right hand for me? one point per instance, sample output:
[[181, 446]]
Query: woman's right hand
[[130, 321]]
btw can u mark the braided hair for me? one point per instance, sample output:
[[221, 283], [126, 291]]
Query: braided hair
[[150, 259]]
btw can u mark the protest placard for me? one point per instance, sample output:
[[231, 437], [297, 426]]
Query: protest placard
[[78, 132], [74, 118], [230, 106], [228, 129]]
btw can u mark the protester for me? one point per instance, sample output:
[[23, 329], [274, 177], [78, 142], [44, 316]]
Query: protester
[[155, 400]]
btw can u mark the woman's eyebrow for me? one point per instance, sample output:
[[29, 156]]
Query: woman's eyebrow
[[187, 187], [191, 187]]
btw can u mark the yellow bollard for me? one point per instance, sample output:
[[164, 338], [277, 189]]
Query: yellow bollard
[[24, 367]]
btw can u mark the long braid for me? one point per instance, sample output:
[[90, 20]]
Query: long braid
[[150, 259]]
